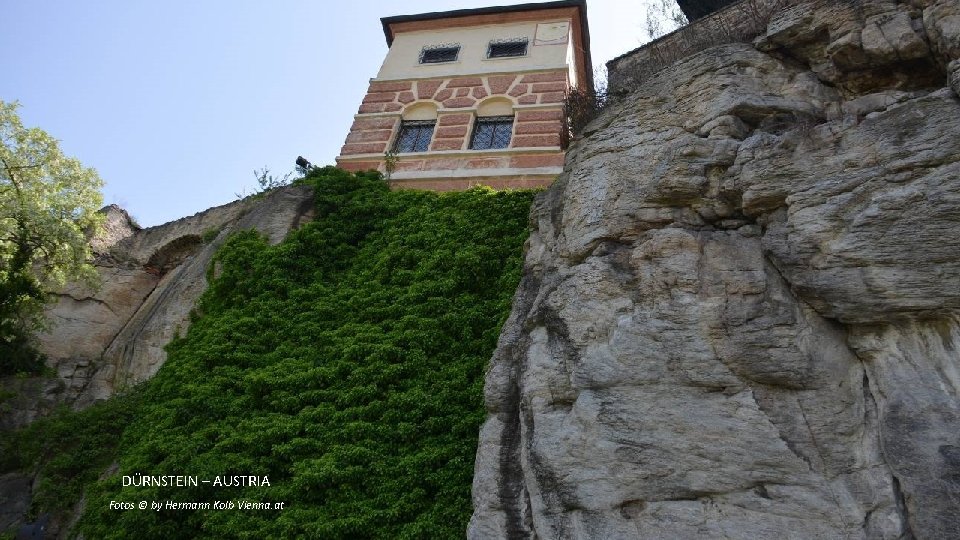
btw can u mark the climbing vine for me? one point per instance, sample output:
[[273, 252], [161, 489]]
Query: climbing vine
[[344, 364]]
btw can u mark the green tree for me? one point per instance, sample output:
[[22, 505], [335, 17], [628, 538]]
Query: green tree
[[48, 202]]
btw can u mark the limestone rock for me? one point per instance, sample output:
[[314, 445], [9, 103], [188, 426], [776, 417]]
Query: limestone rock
[[941, 20], [890, 37], [914, 378], [82, 320], [117, 225], [862, 47], [136, 352], [103, 339], [739, 315], [855, 46]]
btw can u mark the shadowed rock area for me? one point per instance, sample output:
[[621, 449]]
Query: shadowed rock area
[[740, 310]]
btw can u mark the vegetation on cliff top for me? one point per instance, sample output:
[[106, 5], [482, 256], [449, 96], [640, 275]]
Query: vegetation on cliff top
[[345, 364]]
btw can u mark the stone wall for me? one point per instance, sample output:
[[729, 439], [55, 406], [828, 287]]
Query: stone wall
[[735, 22], [848, 43]]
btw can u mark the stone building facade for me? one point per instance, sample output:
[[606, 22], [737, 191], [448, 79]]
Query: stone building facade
[[473, 97]]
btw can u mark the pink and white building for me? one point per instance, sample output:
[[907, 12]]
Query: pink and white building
[[473, 96]]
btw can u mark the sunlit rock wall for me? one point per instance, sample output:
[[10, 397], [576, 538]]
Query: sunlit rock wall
[[740, 310]]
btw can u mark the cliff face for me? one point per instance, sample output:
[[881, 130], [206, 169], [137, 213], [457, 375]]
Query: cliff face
[[740, 310], [103, 340]]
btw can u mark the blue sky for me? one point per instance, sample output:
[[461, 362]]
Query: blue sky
[[176, 103]]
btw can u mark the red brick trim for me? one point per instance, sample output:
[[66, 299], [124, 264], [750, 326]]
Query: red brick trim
[[426, 89], [529, 128], [550, 76], [500, 84], [550, 87], [447, 144], [358, 165], [363, 148], [460, 184], [519, 90], [380, 97], [537, 160], [465, 81], [459, 103], [369, 136], [487, 163], [454, 119], [373, 123], [454, 131], [552, 97], [536, 140], [539, 115], [389, 86]]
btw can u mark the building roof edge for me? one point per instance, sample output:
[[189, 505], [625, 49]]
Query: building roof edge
[[457, 13]]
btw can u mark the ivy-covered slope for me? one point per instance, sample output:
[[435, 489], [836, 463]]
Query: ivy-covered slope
[[345, 364]]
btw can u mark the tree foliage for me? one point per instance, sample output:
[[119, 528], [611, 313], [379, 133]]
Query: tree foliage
[[48, 202]]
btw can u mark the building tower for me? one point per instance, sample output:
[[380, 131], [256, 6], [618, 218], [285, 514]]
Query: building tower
[[473, 96]]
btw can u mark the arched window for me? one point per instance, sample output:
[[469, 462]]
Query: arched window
[[493, 127], [416, 128]]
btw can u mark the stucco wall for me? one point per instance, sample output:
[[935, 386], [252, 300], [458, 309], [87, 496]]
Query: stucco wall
[[402, 61]]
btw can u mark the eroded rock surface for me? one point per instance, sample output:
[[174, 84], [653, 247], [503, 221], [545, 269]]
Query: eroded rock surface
[[112, 337], [740, 310]]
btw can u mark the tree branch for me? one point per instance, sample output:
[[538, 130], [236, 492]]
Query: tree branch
[[18, 167]]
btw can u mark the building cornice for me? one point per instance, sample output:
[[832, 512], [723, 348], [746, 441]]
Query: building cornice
[[469, 110], [387, 22], [458, 153], [523, 71], [475, 173]]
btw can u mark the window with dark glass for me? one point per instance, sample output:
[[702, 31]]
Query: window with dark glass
[[439, 53], [505, 48], [491, 132], [414, 136]]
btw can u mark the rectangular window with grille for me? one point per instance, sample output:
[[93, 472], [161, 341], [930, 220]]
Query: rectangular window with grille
[[491, 132], [437, 54], [414, 136], [505, 48]]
